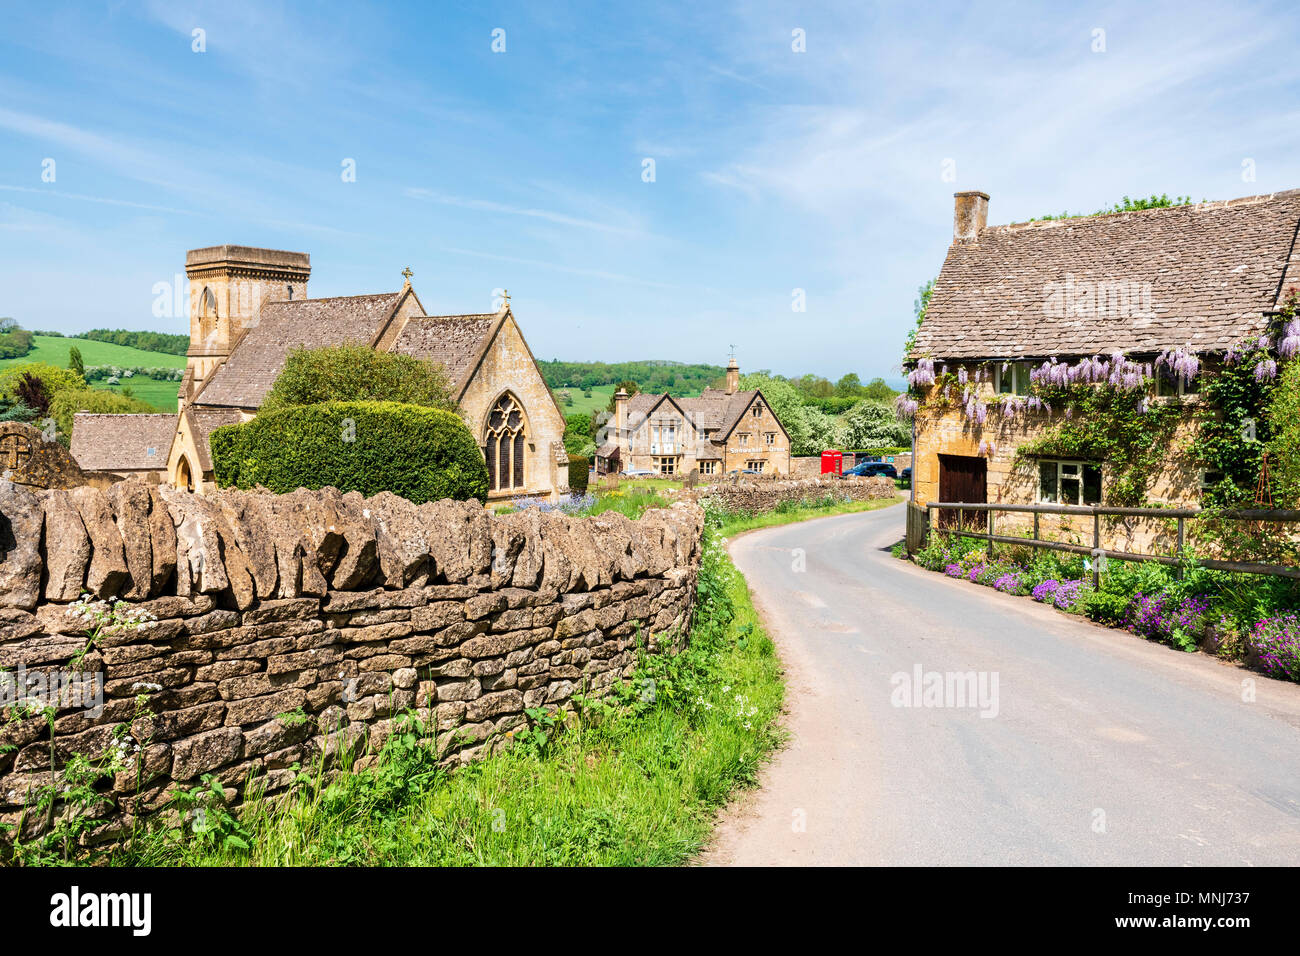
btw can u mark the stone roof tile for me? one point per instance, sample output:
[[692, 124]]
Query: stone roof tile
[[121, 443], [1203, 275]]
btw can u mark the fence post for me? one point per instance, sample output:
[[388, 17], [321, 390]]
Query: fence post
[[989, 526], [1096, 546], [1178, 568], [1035, 525]]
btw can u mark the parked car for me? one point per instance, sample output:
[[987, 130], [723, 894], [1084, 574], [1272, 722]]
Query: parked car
[[906, 475], [871, 469], [744, 471], [639, 473]]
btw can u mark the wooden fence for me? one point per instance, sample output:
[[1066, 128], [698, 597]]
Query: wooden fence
[[1182, 515]]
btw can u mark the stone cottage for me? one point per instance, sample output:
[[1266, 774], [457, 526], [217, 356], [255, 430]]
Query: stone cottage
[[1155, 294], [249, 307], [721, 431]]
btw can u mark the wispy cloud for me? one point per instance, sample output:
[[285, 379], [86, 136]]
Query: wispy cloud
[[487, 205]]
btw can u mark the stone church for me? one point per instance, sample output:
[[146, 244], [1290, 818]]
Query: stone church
[[249, 307]]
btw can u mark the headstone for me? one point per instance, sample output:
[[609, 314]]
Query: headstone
[[27, 457]]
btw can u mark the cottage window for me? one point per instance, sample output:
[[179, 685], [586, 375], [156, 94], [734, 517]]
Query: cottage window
[[504, 447], [757, 410], [1169, 385], [667, 465], [744, 439], [1012, 378], [756, 465], [769, 438], [1210, 478], [1069, 483], [708, 467]]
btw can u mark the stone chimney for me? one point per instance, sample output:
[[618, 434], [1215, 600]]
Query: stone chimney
[[620, 416], [733, 377], [970, 215]]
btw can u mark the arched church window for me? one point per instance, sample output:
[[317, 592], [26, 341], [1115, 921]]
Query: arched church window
[[504, 445], [207, 304]]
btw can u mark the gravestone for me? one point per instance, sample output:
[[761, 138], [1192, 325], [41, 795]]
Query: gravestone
[[28, 457]]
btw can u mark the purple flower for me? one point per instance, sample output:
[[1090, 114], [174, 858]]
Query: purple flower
[[1266, 370], [1276, 642], [1045, 590]]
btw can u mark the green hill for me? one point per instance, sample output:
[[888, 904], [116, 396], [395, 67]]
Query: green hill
[[54, 350]]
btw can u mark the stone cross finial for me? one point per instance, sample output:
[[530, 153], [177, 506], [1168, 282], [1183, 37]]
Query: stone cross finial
[[505, 298], [406, 274]]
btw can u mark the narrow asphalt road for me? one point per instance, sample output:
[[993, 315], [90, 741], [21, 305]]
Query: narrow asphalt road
[[1098, 748]]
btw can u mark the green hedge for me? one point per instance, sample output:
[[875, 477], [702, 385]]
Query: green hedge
[[579, 471], [422, 454]]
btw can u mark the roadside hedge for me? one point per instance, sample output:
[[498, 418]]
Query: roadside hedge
[[579, 471], [422, 454]]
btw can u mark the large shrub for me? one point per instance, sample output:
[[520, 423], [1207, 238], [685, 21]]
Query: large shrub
[[69, 401], [358, 373], [1276, 643], [421, 454], [579, 471], [48, 381]]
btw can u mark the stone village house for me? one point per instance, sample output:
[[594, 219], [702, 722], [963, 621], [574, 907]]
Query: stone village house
[[1200, 278], [721, 431], [249, 308]]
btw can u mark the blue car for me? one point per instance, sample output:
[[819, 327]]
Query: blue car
[[872, 469]]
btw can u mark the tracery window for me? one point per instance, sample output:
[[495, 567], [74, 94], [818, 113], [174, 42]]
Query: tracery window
[[504, 445]]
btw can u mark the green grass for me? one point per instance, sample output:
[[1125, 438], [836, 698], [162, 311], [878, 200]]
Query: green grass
[[632, 782], [735, 524], [600, 396], [54, 350]]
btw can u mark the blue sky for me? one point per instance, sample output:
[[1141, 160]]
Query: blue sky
[[775, 170]]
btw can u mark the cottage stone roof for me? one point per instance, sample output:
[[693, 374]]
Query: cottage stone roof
[[1204, 275], [247, 375], [713, 409], [122, 443], [203, 421], [454, 340]]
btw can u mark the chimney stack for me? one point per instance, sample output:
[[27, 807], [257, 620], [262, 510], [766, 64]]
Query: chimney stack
[[733, 377], [620, 415], [970, 215]]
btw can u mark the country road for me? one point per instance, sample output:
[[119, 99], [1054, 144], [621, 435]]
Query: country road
[[1098, 748]]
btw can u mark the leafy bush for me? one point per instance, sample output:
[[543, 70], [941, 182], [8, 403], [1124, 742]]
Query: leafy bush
[[358, 373], [1105, 608], [421, 454], [49, 379], [72, 400], [579, 472], [15, 341]]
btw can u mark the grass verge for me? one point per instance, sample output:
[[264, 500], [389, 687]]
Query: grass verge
[[736, 523], [634, 779]]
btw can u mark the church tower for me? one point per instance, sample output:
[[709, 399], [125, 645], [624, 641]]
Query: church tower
[[228, 285]]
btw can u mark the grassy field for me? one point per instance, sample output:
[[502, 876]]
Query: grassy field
[[54, 351], [600, 396]]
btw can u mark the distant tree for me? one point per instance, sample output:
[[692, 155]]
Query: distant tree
[[849, 385], [877, 390], [15, 341], [75, 363], [36, 383], [358, 373], [627, 385], [874, 425]]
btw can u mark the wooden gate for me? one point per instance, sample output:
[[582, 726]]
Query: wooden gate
[[964, 479]]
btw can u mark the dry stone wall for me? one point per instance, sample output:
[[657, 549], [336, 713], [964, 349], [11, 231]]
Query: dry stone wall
[[297, 627], [764, 494]]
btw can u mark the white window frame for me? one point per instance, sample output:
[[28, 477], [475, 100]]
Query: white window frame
[[707, 467], [756, 465], [769, 438], [1062, 474], [1018, 372]]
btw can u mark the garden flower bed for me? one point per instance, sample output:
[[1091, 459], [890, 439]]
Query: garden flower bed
[[1252, 618]]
